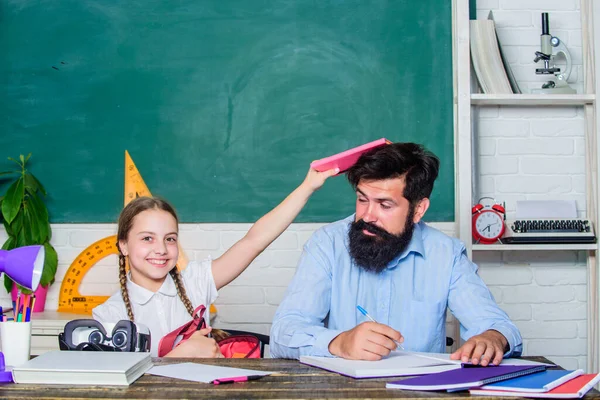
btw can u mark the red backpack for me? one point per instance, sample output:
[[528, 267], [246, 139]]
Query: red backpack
[[235, 346]]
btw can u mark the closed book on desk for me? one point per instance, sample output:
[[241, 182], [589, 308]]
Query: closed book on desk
[[83, 368], [464, 378], [541, 382], [573, 389]]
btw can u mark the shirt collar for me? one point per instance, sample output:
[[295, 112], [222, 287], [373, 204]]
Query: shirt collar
[[415, 245], [140, 295]]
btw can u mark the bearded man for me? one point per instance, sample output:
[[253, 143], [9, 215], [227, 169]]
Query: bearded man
[[404, 272]]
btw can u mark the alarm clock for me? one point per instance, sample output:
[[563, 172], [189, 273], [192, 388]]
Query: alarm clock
[[488, 221]]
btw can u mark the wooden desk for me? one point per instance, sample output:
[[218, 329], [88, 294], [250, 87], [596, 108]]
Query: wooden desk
[[292, 381]]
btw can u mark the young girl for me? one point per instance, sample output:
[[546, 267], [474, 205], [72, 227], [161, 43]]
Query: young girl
[[157, 295]]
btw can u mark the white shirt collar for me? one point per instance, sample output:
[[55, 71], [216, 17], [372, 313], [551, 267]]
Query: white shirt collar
[[140, 295]]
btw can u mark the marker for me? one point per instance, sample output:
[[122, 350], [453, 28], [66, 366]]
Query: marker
[[366, 314], [237, 379]]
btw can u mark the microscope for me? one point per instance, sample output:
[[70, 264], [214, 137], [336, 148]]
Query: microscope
[[551, 47]]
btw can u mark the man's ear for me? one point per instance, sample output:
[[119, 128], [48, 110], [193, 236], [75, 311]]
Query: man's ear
[[420, 209]]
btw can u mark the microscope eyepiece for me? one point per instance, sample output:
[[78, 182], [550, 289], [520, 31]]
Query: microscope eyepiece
[[545, 24]]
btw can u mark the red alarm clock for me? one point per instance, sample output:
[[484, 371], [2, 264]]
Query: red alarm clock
[[488, 221]]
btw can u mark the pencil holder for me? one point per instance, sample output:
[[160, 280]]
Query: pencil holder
[[15, 338]]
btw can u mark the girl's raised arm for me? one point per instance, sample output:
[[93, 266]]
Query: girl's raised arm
[[235, 260]]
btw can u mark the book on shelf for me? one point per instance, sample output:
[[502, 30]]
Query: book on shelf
[[83, 368], [487, 61], [511, 77]]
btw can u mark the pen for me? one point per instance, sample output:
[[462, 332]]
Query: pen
[[236, 379], [366, 314]]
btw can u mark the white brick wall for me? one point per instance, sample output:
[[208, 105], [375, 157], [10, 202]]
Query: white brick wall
[[536, 153]]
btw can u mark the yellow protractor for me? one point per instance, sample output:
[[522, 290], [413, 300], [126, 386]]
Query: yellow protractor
[[70, 299]]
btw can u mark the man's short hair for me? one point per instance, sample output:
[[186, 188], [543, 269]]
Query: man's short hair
[[418, 165]]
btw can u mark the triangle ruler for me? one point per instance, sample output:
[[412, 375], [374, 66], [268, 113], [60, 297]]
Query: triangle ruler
[[69, 297]]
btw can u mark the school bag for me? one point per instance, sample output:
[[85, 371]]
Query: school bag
[[235, 346]]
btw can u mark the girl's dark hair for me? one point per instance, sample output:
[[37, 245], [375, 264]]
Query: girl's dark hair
[[418, 166]]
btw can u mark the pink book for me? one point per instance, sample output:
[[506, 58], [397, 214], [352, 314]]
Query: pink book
[[346, 159]]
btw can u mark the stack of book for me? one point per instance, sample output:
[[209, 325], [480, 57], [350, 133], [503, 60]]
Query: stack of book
[[517, 381]]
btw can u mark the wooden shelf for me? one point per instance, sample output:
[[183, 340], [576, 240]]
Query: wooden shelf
[[530, 247], [532, 99]]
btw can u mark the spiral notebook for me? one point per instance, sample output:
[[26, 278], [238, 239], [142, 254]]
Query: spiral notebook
[[467, 377]]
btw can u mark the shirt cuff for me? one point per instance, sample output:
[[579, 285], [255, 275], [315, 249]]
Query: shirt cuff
[[321, 346], [514, 347]]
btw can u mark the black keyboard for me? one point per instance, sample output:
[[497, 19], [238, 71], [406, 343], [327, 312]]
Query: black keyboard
[[528, 231]]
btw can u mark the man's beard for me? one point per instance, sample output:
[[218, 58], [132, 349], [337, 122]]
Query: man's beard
[[373, 253]]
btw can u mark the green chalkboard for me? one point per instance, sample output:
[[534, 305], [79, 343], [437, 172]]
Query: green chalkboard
[[222, 104]]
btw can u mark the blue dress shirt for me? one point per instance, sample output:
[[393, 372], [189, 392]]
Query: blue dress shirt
[[411, 295]]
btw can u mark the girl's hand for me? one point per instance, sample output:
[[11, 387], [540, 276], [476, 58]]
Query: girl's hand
[[315, 179], [197, 346]]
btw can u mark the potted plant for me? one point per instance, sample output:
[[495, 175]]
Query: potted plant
[[25, 218]]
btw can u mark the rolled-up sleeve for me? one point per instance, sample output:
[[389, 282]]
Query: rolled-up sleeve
[[473, 304], [298, 327]]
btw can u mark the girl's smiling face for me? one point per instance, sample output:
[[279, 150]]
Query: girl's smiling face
[[151, 248]]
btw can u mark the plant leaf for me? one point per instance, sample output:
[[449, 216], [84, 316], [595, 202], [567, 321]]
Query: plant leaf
[[41, 222], [15, 161], [8, 283], [28, 157], [8, 229], [9, 172], [31, 225], [33, 182], [16, 226], [50, 265], [40, 207], [21, 239], [13, 200], [9, 244]]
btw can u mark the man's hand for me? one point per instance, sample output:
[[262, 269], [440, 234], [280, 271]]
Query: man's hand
[[197, 346], [367, 341], [482, 349]]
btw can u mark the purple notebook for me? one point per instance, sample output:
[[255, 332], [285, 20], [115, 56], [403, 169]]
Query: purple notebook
[[464, 378]]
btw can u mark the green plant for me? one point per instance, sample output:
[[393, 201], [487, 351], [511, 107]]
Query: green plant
[[25, 218]]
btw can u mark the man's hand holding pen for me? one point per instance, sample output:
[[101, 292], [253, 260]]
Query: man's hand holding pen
[[368, 341]]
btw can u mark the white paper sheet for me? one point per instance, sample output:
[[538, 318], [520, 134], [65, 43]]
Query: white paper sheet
[[202, 372], [536, 209]]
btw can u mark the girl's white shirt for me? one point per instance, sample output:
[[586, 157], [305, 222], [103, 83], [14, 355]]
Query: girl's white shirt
[[163, 311]]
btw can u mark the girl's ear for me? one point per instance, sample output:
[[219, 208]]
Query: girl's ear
[[123, 248]]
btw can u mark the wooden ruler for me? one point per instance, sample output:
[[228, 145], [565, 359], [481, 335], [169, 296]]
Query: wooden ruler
[[69, 298]]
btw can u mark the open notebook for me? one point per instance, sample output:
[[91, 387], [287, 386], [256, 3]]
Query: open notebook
[[398, 363]]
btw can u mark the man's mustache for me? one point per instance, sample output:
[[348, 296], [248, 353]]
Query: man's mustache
[[369, 227]]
